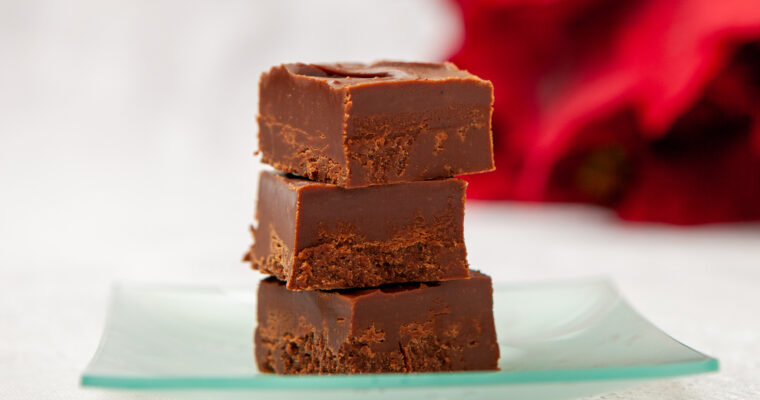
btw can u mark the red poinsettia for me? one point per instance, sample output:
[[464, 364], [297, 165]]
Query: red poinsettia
[[650, 107]]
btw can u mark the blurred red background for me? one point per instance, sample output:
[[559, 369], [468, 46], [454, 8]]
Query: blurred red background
[[649, 107]]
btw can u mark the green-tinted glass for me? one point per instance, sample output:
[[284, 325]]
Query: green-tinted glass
[[578, 332]]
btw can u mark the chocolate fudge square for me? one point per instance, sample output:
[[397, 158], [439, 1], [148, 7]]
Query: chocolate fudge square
[[316, 235], [357, 125], [422, 327]]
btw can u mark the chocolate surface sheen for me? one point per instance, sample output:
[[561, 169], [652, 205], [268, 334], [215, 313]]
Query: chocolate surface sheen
[[445, 326], [358, 125]]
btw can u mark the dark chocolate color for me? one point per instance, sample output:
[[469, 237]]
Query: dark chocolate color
[[320, 236], [446, 326], [357, 125]]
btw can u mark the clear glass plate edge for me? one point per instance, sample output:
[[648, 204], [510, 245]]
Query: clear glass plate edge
[[401, 380]]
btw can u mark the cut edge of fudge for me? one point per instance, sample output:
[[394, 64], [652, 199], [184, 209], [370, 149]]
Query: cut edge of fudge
[[446, 326], [419, 242], [335, 123]]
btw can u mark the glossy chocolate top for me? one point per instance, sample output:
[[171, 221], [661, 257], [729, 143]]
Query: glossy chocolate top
[[355, 74]]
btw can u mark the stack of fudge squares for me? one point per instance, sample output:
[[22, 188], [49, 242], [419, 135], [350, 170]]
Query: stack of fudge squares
[[361, 228]]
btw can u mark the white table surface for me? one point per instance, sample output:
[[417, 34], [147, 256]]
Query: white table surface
[[125, 137]]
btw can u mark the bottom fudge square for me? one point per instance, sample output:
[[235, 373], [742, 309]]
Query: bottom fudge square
[[412, 327]]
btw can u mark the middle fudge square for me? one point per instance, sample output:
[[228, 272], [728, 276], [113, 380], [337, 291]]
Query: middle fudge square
[[315, 235]]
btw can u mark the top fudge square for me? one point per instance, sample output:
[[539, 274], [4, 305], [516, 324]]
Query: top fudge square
[[357, 125]]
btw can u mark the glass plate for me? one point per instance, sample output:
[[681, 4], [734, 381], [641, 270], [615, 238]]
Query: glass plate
[[582, 334]]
